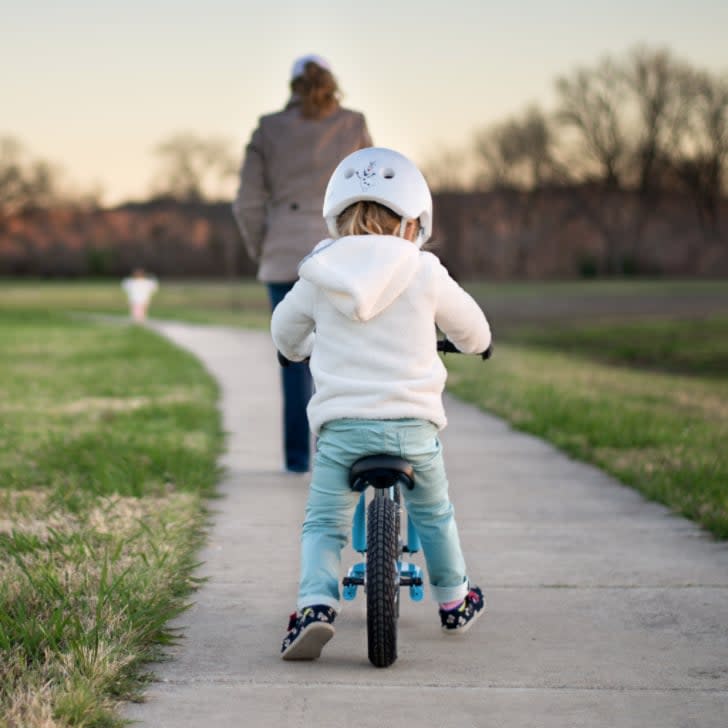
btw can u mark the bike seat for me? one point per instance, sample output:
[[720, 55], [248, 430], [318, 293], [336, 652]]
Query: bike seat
[[381, 471]]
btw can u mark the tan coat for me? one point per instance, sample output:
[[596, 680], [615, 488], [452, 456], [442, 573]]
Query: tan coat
[[286, 168]]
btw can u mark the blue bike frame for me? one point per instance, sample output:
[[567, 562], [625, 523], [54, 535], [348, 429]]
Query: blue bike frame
[[410, 574]]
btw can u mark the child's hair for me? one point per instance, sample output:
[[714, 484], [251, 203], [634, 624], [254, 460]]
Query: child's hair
[[318, 91], [367, 217]]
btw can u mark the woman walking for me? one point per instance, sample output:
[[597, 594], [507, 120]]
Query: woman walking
[[286, 167]]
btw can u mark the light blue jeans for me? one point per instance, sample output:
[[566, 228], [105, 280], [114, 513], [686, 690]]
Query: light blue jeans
[[331, 505]]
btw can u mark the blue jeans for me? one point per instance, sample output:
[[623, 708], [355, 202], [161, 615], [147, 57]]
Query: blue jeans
[[297, 387], [331, 505]]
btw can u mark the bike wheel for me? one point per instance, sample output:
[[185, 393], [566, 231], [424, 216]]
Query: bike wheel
[[382, 580]]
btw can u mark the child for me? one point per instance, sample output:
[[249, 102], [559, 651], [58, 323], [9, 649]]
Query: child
[[139, 290], [365, 311]]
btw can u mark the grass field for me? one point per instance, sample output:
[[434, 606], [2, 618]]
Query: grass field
[[662, 433], [108, 450], [696, 347], [511, 306], [631, 376], [234, 304], [109, 438]]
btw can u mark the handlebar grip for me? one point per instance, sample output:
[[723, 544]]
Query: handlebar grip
[[446, 346]]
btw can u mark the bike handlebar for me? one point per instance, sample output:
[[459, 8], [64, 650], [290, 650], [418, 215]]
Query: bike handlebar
[[447, 347], [444, 345]]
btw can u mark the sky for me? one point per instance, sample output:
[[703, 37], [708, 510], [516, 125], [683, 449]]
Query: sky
[[95, 85]]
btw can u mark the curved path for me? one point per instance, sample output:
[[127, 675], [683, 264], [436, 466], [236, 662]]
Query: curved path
[[603, 609]]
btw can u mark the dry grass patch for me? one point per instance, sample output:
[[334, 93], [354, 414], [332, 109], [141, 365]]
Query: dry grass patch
[[87, 596], [106, 460]]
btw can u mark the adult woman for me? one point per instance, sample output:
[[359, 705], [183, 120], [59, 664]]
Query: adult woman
[[286, 168]]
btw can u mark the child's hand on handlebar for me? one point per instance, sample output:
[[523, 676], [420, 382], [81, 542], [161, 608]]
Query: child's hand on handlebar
[[445, 346]]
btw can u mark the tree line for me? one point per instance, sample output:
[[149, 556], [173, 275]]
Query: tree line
[[632, 156], [645, 123], [191, 168]]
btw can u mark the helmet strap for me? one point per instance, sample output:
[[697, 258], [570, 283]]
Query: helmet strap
[[402, 227]]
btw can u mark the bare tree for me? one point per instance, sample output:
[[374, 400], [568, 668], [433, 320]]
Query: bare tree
[[518, 152], [589, 102], [517, 161], [491, 152], [24, 182], [194, 168], [656, 81], [447, 170], [655, 106], [600, 107], [699, 152]]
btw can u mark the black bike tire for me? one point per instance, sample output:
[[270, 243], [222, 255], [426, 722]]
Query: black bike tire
[[398, 538], [382, 581]]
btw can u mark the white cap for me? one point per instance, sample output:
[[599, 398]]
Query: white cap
[[299, 65]]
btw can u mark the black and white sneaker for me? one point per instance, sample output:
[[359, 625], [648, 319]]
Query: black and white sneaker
[[308, 632], [461, 619]]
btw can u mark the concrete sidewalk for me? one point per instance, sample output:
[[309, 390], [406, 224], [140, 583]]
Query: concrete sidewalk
[[603, 609]]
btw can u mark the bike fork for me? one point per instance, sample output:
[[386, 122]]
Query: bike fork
[[410, 574]]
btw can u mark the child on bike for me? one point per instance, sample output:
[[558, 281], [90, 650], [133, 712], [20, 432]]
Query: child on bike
[[365, 311]]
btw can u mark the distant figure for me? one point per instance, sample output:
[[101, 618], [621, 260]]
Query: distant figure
[[139, 289], [287, 165]]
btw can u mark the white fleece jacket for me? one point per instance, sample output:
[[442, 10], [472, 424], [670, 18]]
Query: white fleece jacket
[[365, 309]]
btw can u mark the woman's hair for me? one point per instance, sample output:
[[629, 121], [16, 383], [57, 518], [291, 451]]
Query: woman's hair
[[317, 90], [366, 217]]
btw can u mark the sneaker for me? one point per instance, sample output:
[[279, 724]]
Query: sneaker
[[308, 632], [461, 619]]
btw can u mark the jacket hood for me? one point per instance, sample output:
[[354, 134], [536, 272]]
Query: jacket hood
[[361, 275]]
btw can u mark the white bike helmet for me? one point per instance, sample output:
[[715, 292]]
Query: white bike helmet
[[384, 176]]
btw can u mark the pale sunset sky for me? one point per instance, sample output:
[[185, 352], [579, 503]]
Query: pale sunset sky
[[94, 85]]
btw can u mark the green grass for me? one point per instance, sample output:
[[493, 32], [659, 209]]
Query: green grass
[[695, 347], [663, 434], [109, 438], [629, 375], [622, 337], [242, 303], [108, 448], [664, 288], [510, 305]]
